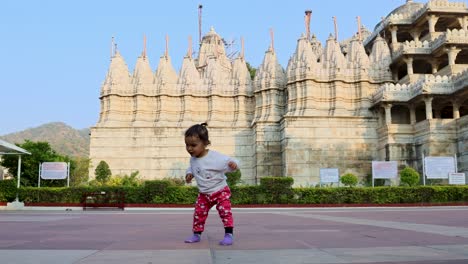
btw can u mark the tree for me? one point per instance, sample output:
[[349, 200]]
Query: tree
[[79, 171], [40, 152], [252, 71], [102, 172]]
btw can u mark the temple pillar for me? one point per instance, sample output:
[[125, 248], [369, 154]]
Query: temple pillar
[[388, 114], [412, 112], [435, 66], [394, 31], [456, 109], [428, 103], [463, 21], [432, 20], [452, 53], [409, 65], [415, 33]]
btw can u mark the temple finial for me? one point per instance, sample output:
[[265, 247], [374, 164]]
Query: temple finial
[[336, 28], [359, 28], [308, 14], [144, 46], [189, 50], [242, 48], [272, 36], [166, 52]]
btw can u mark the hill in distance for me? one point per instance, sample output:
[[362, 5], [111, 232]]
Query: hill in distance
[[62, 138]]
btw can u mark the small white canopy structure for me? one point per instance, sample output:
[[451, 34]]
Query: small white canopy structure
[[11, 149]]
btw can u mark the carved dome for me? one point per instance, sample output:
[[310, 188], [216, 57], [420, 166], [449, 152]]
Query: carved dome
[[408, 8]]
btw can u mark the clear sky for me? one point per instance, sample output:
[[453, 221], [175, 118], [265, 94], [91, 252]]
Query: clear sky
[[54, 54]]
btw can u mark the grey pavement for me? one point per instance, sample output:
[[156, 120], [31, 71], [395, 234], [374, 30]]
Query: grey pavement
[[414, 235]]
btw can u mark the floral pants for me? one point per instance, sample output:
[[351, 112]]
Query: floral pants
[[204, 204]]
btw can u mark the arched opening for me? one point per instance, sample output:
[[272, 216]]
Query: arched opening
[[422, 67], [420, 111], [402, 71], [403, 36], [400, 115], [446, 112], [464, 108]]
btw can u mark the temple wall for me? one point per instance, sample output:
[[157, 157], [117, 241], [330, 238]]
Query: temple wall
[[159, 152], [311, 143], [462, 144]]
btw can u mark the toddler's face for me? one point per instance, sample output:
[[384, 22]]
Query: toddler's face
[[195, 147]]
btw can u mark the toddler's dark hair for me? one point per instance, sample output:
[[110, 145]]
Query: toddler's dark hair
[[200, 131]]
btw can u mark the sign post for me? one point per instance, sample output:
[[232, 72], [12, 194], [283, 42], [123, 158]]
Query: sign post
[[329, 175], [384, 170], [54, 171]]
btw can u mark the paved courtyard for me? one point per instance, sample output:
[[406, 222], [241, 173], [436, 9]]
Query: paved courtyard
[[412, 235]]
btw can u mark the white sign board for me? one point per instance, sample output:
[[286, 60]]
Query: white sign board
[[384, 169], [54, 170], [457, 178], [329, 175], [439, 167]]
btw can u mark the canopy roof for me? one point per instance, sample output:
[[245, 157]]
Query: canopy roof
[[8, 148]]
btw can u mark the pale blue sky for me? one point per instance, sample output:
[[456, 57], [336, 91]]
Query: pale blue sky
[[54, 54]]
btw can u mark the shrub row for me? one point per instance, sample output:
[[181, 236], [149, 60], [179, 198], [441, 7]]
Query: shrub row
[[272, 190]]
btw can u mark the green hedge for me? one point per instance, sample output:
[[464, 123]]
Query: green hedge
[[271, 191], [7, 190]]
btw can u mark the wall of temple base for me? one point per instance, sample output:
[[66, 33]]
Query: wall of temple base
[[158, 152], [268, 155], [462, 145], [311, 143]]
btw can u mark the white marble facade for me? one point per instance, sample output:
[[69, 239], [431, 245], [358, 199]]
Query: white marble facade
[[399, 94]]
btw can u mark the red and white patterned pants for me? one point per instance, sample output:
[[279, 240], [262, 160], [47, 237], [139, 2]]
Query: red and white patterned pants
[[204, 204]]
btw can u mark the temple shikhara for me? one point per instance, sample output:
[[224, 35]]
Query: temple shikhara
[[398, 93]]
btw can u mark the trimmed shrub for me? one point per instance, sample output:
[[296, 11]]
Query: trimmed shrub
[[349, 179], [409, 177]]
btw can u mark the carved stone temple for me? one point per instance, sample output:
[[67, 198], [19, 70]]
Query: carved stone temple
[[398, 93]]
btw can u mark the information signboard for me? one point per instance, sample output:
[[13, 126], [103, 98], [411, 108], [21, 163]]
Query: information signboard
[[54, 170], [457, 178], [384, 169], [329, 175], [439, 167]]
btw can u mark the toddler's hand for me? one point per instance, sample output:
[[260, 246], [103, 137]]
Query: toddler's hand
[[188, 178], [232, 165]]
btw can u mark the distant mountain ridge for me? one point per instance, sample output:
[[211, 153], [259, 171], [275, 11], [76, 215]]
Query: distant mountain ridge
[[62, 138]]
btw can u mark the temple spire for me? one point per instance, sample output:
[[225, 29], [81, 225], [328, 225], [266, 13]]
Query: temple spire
[[272, 35], [166, 52], [336, 28], [143, 54], [200, 7], [112, 49], [242, 48], [308, 14], [189, 50], [359, 28]]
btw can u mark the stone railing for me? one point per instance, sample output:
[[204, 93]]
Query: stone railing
[[430, 84], [433, 85], [455, 36], [440, 6], [392, 92], [413, 47], [460, 80]]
